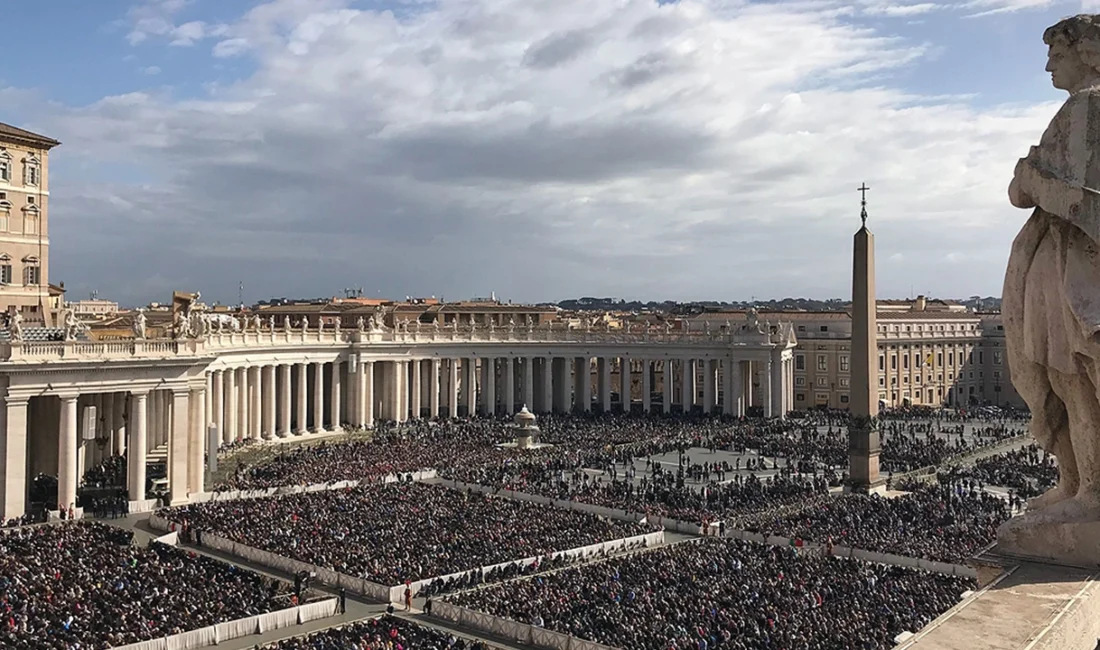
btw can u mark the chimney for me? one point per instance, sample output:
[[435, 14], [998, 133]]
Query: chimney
[[920, 304]]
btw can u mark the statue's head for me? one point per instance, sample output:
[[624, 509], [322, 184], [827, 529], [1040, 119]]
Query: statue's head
[[1073, 59]]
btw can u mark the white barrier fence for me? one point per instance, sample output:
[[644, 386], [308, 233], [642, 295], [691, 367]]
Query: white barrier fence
[[236, 495], [867, 556], [171, 539], [511, 630], [385, 593], [230, 630]]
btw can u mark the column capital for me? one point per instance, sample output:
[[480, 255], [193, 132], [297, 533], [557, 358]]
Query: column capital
[[16, 400], [68, 397], [140, 393]]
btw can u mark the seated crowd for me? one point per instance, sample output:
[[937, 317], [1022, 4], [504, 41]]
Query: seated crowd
[[727, 594], [392, 533], [1028, 472], [84, 585], [385, 633], [933, 523]]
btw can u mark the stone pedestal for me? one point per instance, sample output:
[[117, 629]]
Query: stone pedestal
[[1070, 544]]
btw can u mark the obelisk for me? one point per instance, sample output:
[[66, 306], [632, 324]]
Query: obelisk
[[863, 435]]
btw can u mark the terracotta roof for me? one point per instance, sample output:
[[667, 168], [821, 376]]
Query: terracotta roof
[[303, 308], [772, 315], [9, 132]]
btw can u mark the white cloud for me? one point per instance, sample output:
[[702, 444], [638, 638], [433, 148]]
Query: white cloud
[[543, 149], [156, 18], [151, 70]]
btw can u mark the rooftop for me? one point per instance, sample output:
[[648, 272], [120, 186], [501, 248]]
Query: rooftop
[[14, 133]]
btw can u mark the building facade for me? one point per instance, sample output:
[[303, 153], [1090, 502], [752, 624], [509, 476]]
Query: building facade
[[24, 223], [931, 353]]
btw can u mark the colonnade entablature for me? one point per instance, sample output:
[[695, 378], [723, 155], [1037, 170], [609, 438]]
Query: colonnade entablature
[[176, 400]]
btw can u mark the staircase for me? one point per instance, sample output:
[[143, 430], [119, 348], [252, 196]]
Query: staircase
[[158, 455]]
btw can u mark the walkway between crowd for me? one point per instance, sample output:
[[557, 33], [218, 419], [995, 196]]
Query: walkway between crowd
[[356, 609]]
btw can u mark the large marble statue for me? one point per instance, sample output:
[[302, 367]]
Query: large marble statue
[[15, 328], [1051, 303]]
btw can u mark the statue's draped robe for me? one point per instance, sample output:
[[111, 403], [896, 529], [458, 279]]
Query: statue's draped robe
[[1051, 298]]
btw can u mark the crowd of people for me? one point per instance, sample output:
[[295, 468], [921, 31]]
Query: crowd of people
[[85, 585], [908, 445], [727, 594], [1028, 472], [399, 532], [933, 522], [385, 633]]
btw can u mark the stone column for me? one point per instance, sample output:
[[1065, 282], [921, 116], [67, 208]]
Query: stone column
[[120, 423], [548, 384], [178, 447], [301, 427], [240, 427], [367, 370], [687, 385], [67, 478], [624, 383], [586, 384], [469, 385], [13, 457], [529, 382], [434, 390], [208, 405], [766, 393], [605, 384], [107, 416], [561, 371], [727, 386], [197, 439], [267, 398], [490, 365], [746, 381], [666, 386], [285, 401], [452, 388], [647, 387], [135, 456], [217, 400], [256, 397], [710, 381], [509, 388], [319, 397], [416, 384], [334, 396]]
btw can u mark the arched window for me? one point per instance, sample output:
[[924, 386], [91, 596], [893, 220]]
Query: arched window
[[5, 166], [32, 171]]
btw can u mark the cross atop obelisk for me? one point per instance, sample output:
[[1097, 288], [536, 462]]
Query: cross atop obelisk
[[863, 202], [863, 435]]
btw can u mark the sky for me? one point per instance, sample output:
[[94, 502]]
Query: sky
[[538, 149]]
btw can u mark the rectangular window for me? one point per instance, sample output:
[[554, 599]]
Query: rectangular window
[[3, 220], [998, 357], [893, 362], [822, 382], [951, 359], [5, 273], [5, 170], [981, 357], [881, 381], [822, 362], [843, 399], [843, 363], [905, 362], [881, 362], [800, 397], [996, 374], [844, 382], [799, 362], [824, 328], [32, 174], [916, 379], [799, 381], [916, 360], [939, 359], [30, 224], [801, 328], [30, 275]]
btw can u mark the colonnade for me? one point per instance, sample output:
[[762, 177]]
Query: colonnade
[[180, 419]]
